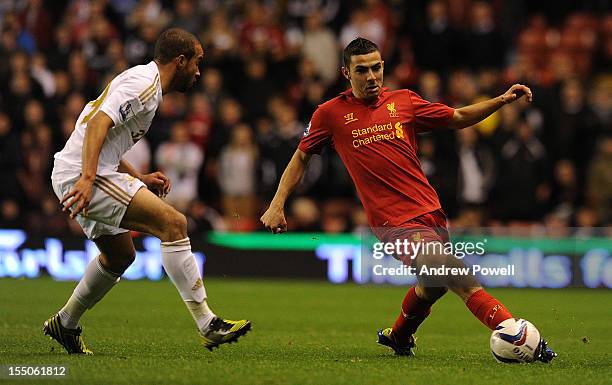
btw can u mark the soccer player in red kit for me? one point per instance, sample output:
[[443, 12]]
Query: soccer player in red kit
[[374, 132]]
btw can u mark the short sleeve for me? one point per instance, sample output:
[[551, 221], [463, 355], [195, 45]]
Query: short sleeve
[[124, 100], [316, 135], [429, 116]]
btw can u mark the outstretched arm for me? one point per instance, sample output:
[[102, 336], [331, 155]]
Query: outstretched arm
[[472, 114], [274, 218]]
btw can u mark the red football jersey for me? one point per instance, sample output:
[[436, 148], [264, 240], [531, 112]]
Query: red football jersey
[[377, 143]]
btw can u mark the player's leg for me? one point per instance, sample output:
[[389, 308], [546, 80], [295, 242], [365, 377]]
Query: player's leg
[[101, 274], [147, 213], [488, 309], [485, 307], [417, 303], [416, 306], [117, 252]]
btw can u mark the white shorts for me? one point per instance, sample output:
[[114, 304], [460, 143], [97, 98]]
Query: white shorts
[[112, 193]]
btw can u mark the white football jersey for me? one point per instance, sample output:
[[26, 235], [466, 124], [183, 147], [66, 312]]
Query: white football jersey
[[130, 100]]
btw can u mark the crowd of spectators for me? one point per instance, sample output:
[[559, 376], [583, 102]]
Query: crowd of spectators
[[268, 64]]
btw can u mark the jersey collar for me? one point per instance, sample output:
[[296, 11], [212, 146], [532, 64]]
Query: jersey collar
[[156, 69], [348, 94]]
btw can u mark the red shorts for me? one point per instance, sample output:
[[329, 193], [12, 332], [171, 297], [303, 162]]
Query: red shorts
[[429, 227]]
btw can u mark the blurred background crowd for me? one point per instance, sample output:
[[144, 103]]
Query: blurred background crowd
[[268, 64]]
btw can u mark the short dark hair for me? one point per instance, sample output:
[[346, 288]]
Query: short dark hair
[[359, 46], [174, 42]]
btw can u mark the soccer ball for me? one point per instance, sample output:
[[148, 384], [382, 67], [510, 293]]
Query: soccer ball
[[515, 340]]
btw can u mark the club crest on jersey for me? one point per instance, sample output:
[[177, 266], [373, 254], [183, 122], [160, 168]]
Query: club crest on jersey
[[392, 110], [307, 129], [349, 118], [126, 111]]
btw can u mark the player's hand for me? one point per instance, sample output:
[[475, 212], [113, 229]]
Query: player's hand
[[274, 220], [515, 93], [79, 195], [157, 182]]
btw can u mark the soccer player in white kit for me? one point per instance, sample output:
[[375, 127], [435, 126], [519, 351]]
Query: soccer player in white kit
[[108, 197]]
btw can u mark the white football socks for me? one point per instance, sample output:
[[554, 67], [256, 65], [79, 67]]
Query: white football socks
[[181, 267], [201, 313], [95, 283]]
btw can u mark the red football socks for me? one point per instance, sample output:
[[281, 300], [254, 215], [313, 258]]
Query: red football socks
[[414, 311], [487, 309]]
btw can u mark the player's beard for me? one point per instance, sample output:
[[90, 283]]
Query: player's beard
[[182, 81]]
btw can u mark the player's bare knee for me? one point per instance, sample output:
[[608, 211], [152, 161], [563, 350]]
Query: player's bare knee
[[431, 294], [175, 227], [118, 262], [128, 258], [122, 265], [436, 292]]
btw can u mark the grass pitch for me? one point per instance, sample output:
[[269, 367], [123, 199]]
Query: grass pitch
[[303, 332]]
